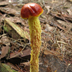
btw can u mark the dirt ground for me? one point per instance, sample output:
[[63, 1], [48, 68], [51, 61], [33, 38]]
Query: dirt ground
[[56, 25]]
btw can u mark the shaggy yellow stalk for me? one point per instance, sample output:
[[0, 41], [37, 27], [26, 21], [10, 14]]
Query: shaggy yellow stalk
[[35, 35]]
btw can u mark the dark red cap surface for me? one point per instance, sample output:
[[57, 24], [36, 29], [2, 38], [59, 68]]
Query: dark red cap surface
[[31, 9]]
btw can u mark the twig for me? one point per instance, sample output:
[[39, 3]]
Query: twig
[[67, 67]]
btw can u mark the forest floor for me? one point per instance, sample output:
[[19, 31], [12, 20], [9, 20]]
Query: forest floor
[[56, 25]]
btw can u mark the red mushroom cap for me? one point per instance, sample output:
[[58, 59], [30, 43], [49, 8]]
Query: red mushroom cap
[[30, 10]]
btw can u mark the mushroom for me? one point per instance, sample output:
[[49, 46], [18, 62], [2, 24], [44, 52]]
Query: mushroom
[[32, 11]]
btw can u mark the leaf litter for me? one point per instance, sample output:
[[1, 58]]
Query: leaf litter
[[56, 48]]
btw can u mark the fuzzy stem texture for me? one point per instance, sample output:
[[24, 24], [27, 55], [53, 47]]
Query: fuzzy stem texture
[[35, 35]]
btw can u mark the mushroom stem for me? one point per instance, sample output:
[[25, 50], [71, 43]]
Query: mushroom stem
[[35, 35]]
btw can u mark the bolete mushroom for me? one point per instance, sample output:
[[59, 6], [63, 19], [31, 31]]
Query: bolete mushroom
[[32, 11]]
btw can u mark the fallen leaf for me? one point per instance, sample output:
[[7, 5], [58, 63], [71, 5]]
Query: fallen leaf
[[26, 63], [20, 54], [12, 66], [48, 9], [16, 20], [49, 28], [5, 40], [6, 68], [69, 11], [9, 11], [4, 3], [70, 0], [14, 30], [51, 52], [49, 69], [5, 50]]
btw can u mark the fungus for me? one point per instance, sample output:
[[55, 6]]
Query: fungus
[[32, 11]]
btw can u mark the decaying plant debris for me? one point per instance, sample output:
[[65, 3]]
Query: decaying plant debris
[[56, 48]]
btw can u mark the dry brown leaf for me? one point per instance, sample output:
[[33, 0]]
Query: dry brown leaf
[[21, 53], [49, 28], [48, 9], [4, 3], [5, 40], [5, 50], [12, 66], [16, 20], [48, 52], [49, 69], [26, 63], [9, 11]]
